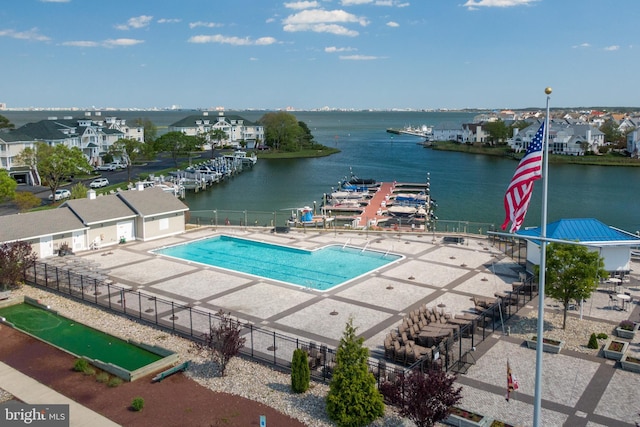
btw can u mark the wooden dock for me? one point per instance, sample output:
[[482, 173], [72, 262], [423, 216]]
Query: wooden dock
[[375, 210]]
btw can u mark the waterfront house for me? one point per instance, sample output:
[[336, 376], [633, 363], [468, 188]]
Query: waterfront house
[[633, 143], [573, 139], [450, 131], [93, 136], [239, 131], [98, 221]]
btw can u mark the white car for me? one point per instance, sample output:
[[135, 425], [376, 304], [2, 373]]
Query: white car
[[60, 194], [99, 183], [106, 167]]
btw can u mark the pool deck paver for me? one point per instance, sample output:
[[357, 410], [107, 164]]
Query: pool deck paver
[[578, 389]]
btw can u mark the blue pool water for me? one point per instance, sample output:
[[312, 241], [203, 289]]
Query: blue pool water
[[319, 269]]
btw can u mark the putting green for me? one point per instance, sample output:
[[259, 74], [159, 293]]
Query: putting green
[[77, 338]]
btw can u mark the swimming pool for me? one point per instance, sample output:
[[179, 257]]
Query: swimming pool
[[319, 269]]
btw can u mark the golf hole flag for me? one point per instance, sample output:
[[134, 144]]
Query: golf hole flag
[[516, 200]]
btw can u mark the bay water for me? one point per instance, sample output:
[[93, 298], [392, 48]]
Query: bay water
[[467, 187]]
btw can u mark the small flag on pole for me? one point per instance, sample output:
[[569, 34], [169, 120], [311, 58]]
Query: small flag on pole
[[518, 195]]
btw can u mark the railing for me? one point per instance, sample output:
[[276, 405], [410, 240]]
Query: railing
[[234, 218], [262, 344]]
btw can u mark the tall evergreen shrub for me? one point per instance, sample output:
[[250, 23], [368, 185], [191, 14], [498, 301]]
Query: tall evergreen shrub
[[300, 372], [593, 341], [353, 399]]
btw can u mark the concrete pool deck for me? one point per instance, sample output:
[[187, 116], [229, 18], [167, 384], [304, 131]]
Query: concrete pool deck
[[579, 389]]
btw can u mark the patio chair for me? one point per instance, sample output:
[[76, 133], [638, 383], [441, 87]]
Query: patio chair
[[613, 301]]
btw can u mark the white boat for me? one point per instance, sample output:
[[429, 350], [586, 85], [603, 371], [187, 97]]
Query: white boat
[[402, 211]]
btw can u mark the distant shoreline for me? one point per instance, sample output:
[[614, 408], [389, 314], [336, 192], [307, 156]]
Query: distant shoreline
[[504, 151]]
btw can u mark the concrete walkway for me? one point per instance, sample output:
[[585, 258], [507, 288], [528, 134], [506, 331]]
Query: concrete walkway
[[32, 392]]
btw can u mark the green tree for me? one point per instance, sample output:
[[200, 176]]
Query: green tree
[[497, 130], [150, 130], [79, 191], [353, 399], [55, 163], [177, 144], [5, 123], [572, 273], [26, 200], [612, 133], [306, 137], [128, 149], [148, 148], [7, 186], [300, 371], [218, 135], [281, 131]]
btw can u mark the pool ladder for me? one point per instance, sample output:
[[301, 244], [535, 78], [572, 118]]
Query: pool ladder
[[346, 243], [365, 247]]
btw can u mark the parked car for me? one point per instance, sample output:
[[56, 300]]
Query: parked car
[[119, 165], [60, 195], [106, 167], [99, 183]]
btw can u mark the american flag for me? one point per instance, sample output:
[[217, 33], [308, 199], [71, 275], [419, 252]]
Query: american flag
[[516, 200]]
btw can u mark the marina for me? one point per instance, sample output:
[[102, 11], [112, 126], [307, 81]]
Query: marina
[[365, 203]]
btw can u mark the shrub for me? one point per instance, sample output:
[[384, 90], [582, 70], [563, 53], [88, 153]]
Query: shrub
[[137, 404], [353, 399], [80, 365], [223, 340], [300, 372], [593, 341], [627, 325], [114, 382], [102, 377], [426, 397], [89, 371], [602, 336]]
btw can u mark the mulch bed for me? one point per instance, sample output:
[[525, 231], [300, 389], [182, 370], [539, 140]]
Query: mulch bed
[[175, 401]]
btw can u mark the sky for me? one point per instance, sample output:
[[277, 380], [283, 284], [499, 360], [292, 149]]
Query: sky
[[352, 54]]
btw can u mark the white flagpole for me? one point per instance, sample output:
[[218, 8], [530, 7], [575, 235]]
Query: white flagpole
[[543, 262]]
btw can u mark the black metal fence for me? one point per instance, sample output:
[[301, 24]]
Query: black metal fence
[[262, 344]]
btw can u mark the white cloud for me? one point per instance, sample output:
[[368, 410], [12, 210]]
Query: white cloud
[[31, 35], [81, 43], [581, 45], [374, 2], [121, 42], [612, 48], [323, 21], [302, 5], [333, 49], [204, 24], [169, 20], [135, 22], [235, 41], [392, 24], [359, 57], [355, 2], [473, 4]]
